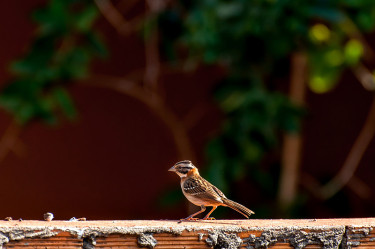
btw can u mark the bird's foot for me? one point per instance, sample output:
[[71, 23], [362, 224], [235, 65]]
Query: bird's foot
[[188, 219], [208, 218]]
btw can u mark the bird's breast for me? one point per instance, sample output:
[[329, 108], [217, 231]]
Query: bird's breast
[[195, 200]]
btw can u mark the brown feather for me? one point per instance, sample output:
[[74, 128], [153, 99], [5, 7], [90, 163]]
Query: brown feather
[[238, 207], [199, 187]]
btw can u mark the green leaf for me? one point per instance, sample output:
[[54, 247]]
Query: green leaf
[[96, 45], [227, 10], [233, 101], [75, 63], [44, 106], [334, 57], [353, 51], [330, 14], [319, 33], [65, 102], [61, 51], [322, 82], [86, 18], [24, 113]]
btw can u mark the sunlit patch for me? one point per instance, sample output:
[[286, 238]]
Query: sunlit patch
[[319, 33], [334, 57], [353, 51], [321, 84]]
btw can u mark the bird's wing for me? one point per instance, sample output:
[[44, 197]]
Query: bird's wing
[[201, 188]]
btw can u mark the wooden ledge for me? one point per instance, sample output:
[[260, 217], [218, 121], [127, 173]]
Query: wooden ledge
[[253, 233]]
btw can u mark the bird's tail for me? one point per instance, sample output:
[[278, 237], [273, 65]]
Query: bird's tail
[[238, 207]]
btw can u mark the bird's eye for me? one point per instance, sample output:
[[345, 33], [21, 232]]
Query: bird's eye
[[184, 170]]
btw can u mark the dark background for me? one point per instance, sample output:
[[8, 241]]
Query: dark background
[[112, 161]]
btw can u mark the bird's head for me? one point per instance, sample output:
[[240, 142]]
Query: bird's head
[[183, 168]]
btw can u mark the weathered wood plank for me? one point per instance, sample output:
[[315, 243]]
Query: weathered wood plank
[[310, 233]]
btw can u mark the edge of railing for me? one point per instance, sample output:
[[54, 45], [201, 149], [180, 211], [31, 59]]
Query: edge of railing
[[252, 233]]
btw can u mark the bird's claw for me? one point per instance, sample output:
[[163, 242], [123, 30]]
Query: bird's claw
[[191, 219], [188, 219], [209, 218]]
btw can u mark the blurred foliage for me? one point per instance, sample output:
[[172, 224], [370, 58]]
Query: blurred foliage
[[63, 46], [254, 41], [254, 119]]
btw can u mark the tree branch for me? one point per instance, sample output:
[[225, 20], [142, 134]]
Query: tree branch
[[155, 104], [9, 140], [293, 142], [114, 17], [351, 29], [196, 113], [126, 5], [364, 76], [152, 68], [354, 157]]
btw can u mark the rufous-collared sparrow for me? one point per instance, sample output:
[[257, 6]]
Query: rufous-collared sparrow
[[202, 193]]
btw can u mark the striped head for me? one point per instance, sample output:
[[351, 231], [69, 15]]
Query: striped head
[[183, 168]]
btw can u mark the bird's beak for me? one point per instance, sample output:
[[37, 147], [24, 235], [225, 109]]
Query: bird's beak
[[172, 169]]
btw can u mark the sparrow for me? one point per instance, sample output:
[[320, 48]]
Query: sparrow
[[202, 193]]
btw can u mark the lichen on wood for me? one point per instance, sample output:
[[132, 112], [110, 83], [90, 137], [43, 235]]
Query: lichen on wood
[[147, 240], [297, 238], [220, 240]]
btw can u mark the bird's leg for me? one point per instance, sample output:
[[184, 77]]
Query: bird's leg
[[203, 208], [207, 217]]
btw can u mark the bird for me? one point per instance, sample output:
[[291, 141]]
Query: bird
[[202, 193]]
